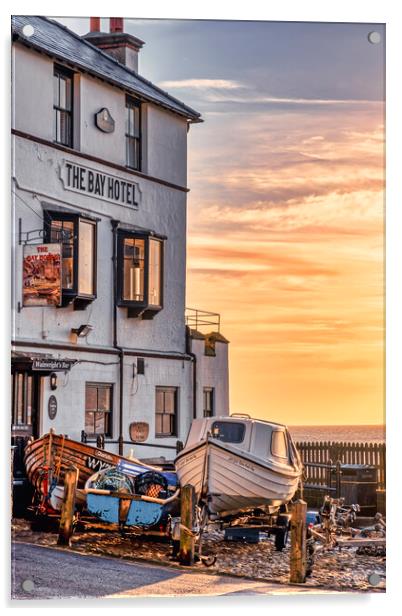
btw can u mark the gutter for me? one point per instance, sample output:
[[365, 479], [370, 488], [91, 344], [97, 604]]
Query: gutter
[[194, 362], [115, 224]]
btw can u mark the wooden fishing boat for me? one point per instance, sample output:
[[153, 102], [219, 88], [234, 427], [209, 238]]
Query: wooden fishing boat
[[47, 459], [238, 463], [128, 496]]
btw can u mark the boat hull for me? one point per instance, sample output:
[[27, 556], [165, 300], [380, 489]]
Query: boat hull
[[117, 510], [57, 496], [48, 458], [233, 481]]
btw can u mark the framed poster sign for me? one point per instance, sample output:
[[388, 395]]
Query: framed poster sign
[[41, 275]]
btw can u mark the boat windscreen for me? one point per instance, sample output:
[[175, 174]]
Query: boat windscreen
[[228, 431]]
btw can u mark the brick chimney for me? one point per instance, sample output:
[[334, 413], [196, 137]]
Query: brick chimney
[[121, 46]]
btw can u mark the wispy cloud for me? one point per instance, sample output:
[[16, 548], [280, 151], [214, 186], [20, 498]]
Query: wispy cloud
[[254, 99], [220, 84], [217, 91]]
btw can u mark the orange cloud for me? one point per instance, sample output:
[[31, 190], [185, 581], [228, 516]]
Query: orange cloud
[[286, 241]]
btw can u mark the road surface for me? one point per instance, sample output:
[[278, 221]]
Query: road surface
[[44, 573]]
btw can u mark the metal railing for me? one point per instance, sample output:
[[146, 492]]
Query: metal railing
[[196, 319]]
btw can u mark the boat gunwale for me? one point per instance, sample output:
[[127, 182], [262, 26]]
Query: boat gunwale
[[208, 441]]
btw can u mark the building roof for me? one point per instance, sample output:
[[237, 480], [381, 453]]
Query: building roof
[[64, 45]]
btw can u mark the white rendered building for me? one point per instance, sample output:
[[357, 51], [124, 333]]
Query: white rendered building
[[99, 180]]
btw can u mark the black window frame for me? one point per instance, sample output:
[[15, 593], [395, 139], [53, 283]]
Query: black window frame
[[211, 411], [100, 385], [175, 416], [232, 424], [139, 308], [128, 138], [81, 300], [61, 71]]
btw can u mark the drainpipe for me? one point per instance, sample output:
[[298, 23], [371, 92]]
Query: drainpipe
[[194, 363], [115, 224]]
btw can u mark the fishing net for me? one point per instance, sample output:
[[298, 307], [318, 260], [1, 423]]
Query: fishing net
[[114, 480]]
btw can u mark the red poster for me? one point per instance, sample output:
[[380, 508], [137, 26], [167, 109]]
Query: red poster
[[42, 275]]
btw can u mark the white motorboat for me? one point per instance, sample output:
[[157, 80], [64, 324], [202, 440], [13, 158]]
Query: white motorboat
[[238, 463]]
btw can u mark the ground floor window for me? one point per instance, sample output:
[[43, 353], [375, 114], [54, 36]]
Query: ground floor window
[[166, 411], [22, 399], [208, 403], [98, 408]]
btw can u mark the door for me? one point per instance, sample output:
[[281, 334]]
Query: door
[[24, 415]]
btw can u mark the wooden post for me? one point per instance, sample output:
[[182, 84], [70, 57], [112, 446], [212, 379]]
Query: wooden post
[[187, 511], [67, 510], [338, 479], [298, 548]]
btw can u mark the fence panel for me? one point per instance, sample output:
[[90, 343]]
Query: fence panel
[[321, 452]]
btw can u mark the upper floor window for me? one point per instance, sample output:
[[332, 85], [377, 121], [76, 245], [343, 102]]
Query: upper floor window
[[63, 106], [208, 401], [140, 273], [78, 263], [133, 133]]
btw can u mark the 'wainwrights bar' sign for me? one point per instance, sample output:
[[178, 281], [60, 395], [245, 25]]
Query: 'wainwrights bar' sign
[[56, 365], [93, 183]]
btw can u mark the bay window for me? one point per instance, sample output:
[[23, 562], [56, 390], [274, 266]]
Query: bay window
[[77, 236], [140, 273]]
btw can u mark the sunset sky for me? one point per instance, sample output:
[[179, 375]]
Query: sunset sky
[[285, 213]]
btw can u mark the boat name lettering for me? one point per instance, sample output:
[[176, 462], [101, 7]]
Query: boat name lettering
[[186, 460], [241, 463], [97, 465], [104, 455]]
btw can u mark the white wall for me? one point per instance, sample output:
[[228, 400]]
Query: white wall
[[212, 371], [161, 208], [164, 133], [167, 143], [32, 78], [37, 185], [139, 399]]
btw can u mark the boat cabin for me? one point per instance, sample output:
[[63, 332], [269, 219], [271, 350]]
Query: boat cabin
[[265, 440]]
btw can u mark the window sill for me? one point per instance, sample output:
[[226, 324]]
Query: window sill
[[143, 311], [80, 302]]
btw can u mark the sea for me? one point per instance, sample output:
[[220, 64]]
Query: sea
[[353, 434]]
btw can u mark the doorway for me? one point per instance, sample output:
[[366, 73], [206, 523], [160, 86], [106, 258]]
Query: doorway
[[25, 424]]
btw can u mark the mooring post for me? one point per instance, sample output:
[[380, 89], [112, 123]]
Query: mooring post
[[67, 510], [338, 478], [298, 548], [187, 539]]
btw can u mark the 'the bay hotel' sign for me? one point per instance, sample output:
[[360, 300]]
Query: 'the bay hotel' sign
[[84, 180]]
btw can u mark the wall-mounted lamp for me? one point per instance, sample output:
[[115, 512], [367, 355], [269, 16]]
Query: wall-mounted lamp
[[53, 381], [82, 330]]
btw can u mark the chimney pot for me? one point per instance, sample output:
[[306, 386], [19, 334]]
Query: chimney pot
[[116, 24], [94, 24]]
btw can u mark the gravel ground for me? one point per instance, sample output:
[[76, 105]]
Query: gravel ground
[[336, 569]]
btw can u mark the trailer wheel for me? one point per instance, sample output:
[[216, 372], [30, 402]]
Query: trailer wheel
[[208, 561]]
